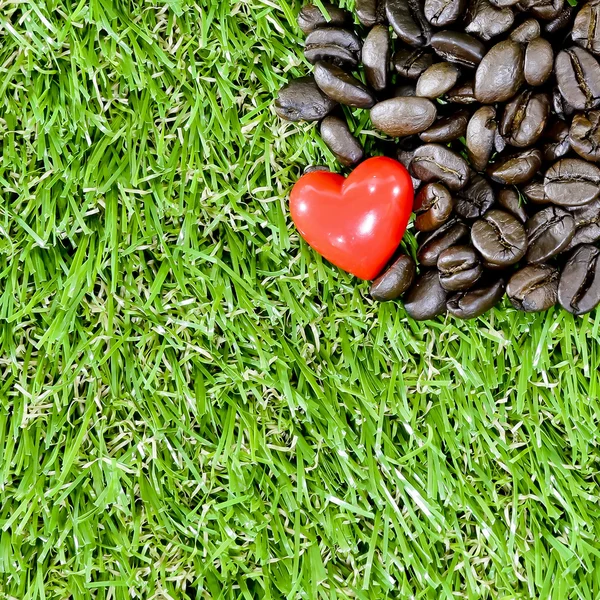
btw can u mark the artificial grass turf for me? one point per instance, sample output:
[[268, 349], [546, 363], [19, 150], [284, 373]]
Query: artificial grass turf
[[193, 404]]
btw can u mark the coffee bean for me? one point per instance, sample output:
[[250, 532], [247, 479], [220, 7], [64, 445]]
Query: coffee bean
[[539, 60], [447, 129], [535, 192], [526, 31], [517, 168], [584, 135], [459, 268], [586, 30], [342, 87], [462, 94], [487, 21], [508, 198], [458, 47], [525, 118], [433, 162], [444, 12], [481, 132], [587, 225], [579, 286], [302, 100], [403, 116], [578, 77], [340, 141], [556, 141], [560, 106], [500, 238], [542, 9], [533, 288], [500, 73], [370, 12], [475, 199], [341, 50], [476, 302], [395, 281], [549, 233], [408, 21], [376, 56], [560, 22], [436, 242], [437, 80], [410, 63], [572, 182], [433, 207], [426, 299], [311, 17]]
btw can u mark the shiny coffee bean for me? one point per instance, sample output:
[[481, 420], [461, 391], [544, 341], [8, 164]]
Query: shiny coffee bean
[[408, 21], [342, 87], [487, 21], [426, 299], [475, 199], [517, 168], [476, 302], [302, 100], [587, 225], [447, 129], [526, 31], [441, 13], [578, 77], [405, 157], [500, 74], [394, 281], [459, 267], [556, 141], [525, 118], [572, 182], [539, 60], [549, 233], [337, 55], [433, 162], [410, 63], [560, 22], [311, 17], [586, 29], [481, 133], [376, 56], [508, 198], [560, 106], [458, 47], [437, 80], [579, 286], [584, 135], [403, 116], [334, 36], [500, 238], [340, 141], [433, 207], [370, 12], [462, 93], [436, 242], [535, 193], [542, 9], [534, 288]]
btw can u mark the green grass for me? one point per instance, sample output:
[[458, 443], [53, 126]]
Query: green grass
[[193, 405]]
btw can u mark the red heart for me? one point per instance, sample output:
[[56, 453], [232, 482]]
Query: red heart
[[355, 223]]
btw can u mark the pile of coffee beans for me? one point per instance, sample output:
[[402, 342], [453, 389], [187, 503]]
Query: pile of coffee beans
[[494, 108]]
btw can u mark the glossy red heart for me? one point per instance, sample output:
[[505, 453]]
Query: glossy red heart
[[356, 223]]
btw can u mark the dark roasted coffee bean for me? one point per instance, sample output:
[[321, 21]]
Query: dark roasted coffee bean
[[403, 90], [334, 44], [534, 288], [462, 94], [500, 74], [408, 21], [572, 182], [586, 29], [370, 12], [311, 17], [517, 168], [578, 77], [584, 135], [410, 63], [508, 198], [433, 162], [444, 12], [447, 129], [487, 21], [437, 80], [302, 100], [535, 193], [542, 9], [426, 299], [340, 141], [376, 56], [549, 233], [395, 280], [403, 116], [474, 200], [476, 302], [481, 133], [315, 168], [539, 60], [342, 87], [587, 225], [556, 141], [458, 47], [526, 31], [562, 21], [459, 268], [433, 207], [435, 243], [524, 119], [579, 286], [405, 158], [500, 238]]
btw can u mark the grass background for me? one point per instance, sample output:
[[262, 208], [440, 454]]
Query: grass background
[[192, 404]]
